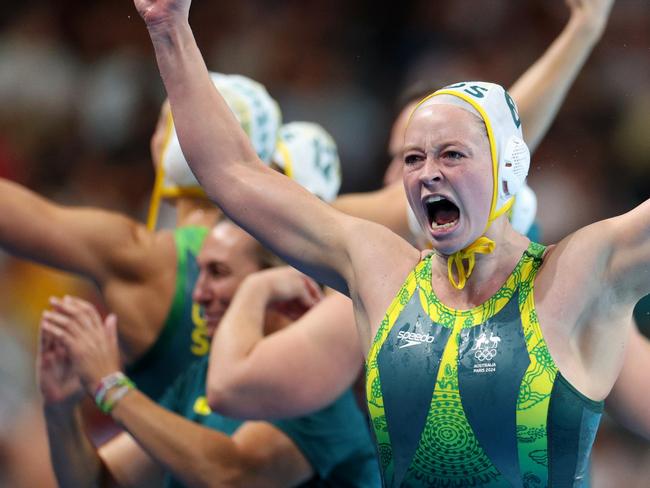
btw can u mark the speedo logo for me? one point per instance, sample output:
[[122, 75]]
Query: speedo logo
[[411, 338]]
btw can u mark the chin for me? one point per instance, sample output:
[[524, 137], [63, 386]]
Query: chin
[[448, 241], [211, 323], [211, 327]]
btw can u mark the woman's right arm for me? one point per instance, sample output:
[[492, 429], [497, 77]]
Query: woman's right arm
[[280, 213]]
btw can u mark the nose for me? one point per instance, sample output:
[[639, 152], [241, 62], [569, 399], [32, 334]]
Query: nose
[[200, 293], [430, 174]]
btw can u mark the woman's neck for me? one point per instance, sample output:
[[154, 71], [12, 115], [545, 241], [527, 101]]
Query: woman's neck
[[490, 271]]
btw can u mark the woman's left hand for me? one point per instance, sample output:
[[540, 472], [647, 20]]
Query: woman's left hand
[[90, 341]]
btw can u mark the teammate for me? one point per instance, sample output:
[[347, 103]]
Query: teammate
[[144, 276], [180, 440], [472, 295]]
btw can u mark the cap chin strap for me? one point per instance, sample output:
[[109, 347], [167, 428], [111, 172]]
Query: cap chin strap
[[286, 156], [156, 195], [465, 259]]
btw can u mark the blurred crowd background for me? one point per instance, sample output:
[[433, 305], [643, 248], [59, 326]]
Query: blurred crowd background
[[80, 94]]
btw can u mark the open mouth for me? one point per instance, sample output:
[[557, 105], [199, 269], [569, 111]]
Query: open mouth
[[442, 214]]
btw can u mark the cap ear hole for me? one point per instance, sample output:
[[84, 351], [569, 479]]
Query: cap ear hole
[[505, 187]]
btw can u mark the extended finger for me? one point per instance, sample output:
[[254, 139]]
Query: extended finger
[[58, 333], [110, 323], [313, 289], [60, 321], [70, 308], [85, 310], [45, 338], [307, 299]]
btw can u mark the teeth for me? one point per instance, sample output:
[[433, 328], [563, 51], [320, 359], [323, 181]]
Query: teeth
[[435, 198], [443, 226]]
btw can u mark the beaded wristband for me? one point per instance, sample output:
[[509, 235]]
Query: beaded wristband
[[107, 383], [111, 401]]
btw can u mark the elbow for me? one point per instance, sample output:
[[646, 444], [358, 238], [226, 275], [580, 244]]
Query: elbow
[[220, 399], [227, 390], [216, 398]]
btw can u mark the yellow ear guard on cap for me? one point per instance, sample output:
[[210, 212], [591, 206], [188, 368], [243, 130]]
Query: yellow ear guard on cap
[[162, 188], [510, 161], [258, 114]]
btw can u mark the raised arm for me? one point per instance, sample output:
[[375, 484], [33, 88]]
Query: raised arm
[[246, 379], [629, 269], [540, 91], [629, 401], [277, 211], [606, 271]]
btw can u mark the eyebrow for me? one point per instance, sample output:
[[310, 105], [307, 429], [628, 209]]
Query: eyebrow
[[415, 147], [410, 147]]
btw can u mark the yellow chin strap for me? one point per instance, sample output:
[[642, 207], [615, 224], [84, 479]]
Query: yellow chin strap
[[156, 195], [159, 189], [465, 259]]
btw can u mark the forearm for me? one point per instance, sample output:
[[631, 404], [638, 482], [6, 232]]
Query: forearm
[[206, 127], [24, 217], [540, 91], [66, 238], [196, 455], [292, 222], [259, 381], [240, 330], [74, 458]]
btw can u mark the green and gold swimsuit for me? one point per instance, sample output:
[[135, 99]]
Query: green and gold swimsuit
[[472, 397], [184, 335]]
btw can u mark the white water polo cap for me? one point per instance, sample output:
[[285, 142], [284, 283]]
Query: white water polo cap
[[524, 210], [307, 154], [509, 153], [258, 114]]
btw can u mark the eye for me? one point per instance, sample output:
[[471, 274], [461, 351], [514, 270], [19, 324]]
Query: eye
[[453, 155], [217, 270], [410, 159]]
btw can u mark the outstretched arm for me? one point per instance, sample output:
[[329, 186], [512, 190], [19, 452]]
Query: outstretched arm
[[282, 215], [629, 401], [97, 244], [540, 91], [246, 379], [629, 263]]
